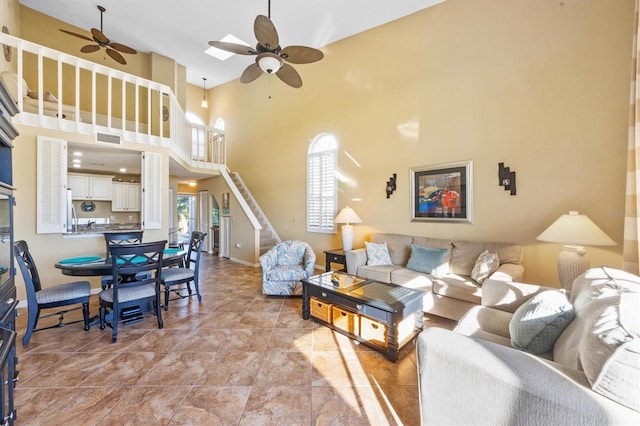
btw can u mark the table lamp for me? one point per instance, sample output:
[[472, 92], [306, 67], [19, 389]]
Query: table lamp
[[574, 231], [347, 215]]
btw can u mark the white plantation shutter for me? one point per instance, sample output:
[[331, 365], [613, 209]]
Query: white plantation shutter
[[321, 185], [151, 190], [51, 190]]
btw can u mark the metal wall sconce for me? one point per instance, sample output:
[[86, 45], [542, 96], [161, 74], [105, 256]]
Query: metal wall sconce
[[391, 185], [507, 178]]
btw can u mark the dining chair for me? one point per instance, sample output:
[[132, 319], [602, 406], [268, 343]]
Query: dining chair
[[137, 290], [115, 239], [172, 277], [38, 298]]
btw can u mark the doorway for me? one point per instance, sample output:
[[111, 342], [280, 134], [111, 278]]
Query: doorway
[[186, 208]]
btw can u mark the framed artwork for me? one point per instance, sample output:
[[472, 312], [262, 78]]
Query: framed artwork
[[442, 193], [225, 203]]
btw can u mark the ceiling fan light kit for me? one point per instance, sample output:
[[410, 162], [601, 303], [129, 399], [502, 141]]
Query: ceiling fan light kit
[[269, 62], [271, 58]]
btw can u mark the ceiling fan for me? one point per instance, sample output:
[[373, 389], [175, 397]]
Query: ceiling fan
[[270, 57], [103, 41]]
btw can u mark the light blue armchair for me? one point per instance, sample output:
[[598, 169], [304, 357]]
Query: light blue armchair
[[284, 265]]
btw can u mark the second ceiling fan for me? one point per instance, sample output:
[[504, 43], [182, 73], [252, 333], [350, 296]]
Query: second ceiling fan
[[102, 41], [270, 57]]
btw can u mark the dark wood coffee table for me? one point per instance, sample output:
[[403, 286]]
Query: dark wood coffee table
[[383, 316]]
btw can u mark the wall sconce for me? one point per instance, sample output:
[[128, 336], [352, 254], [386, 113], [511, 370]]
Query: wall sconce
[[391, 185], [204, 103], [507, 178]]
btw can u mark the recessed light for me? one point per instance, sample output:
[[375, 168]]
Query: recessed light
[[76, 166], [77, 160], [192, 183], [123, 170], [77, 154]]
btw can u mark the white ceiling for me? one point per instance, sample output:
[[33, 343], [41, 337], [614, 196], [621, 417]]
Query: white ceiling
[[182, 29]]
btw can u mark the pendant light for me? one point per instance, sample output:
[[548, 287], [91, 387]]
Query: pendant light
[[204, 103]]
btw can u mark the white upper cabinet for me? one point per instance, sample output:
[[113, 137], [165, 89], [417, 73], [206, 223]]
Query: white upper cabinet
[[90, 187], [126, 197]]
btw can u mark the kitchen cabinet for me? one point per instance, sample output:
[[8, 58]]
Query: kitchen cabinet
[[125, 197], [90, 187]]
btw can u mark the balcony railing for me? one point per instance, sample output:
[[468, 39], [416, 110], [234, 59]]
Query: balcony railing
[[55, 90]]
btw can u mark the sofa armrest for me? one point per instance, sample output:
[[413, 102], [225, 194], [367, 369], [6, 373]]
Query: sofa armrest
[[508, 295], [509, 272], [462, 380], [355, 259]]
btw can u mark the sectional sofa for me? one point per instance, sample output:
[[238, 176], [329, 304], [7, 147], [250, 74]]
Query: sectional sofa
[[531, 356], [442, 268]]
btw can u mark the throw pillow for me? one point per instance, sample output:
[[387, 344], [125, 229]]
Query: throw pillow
[[538, 322], [486, 264], [377, 254], [428, 260], [48, 96]]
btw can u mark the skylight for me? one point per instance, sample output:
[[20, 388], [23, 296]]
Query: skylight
[[222, 54]]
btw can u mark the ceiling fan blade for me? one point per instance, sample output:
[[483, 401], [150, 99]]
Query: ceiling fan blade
[[301, 54], [266, 32], [90, 48], [250, 73], [240, 49], [122, 48], [77, 35], [99, 36], [290, 76], [116, 56]]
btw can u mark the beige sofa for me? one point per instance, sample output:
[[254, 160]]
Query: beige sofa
[[449, 295], [591, 375]]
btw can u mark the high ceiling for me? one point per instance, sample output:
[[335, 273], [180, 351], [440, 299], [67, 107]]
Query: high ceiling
[[182, 29]]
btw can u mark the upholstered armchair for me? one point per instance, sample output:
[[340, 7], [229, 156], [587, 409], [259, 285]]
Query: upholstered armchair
[[284, 265]]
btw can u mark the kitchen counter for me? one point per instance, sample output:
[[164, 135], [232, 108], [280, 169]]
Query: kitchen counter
[[99, 230]]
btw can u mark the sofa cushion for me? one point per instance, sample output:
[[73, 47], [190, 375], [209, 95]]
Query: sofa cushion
[[486, 264], [428, 260], [411, 279], [601, 282], [458, 287], [538, 322], [378, 273], [463, 257], [377, 254], [397, 244], [610, 352]]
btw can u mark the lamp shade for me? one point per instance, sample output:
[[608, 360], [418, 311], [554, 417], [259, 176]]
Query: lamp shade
[[575, 229], [347, 215]]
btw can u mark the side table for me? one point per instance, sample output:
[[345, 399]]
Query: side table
[[335, 256]]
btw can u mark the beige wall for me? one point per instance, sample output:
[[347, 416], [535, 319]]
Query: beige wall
[[539, 85]]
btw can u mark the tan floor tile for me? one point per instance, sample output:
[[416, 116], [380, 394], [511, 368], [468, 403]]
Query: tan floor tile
[[278, 405], [212, 405]]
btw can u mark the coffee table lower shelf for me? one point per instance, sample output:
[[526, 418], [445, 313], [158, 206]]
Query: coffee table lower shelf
[[385, 330]]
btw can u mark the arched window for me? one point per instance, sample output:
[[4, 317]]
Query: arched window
[[321, 184]]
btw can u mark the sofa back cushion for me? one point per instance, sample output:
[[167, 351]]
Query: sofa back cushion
[[465, 253]]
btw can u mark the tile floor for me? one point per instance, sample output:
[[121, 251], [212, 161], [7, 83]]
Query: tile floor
[[237, 358]]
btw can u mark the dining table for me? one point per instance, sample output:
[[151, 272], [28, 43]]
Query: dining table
[[96, 266]]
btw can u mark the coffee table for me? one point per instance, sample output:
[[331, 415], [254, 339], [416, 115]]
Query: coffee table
[[383, 316]]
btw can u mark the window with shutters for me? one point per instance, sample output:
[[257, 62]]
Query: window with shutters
[[321, 184]]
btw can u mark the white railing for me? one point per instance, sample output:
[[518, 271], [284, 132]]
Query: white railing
[[75, 95]]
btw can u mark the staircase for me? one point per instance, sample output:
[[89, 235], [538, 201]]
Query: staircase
[[268, 236]]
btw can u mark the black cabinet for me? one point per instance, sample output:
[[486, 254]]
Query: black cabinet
[[8, 301]]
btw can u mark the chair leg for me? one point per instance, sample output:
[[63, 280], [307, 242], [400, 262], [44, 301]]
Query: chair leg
[[158, 310], [85, 315], [33, 314], [103, 315], [195, 283], [166, 298], [114, 325]]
